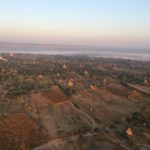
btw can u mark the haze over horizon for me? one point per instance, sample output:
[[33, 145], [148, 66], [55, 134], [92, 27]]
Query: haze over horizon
[[109, 23]]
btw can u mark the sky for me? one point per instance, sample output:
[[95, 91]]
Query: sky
[[117, 23]]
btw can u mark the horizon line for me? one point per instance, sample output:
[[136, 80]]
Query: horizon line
[[74, 45]]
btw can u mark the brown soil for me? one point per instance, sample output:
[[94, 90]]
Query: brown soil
[[54, 96], [146, 112], [19, 132], [118, 90]]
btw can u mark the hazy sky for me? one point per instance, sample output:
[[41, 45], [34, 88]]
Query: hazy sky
[[87, 22]]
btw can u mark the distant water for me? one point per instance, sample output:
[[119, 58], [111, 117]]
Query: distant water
[[135, 54]]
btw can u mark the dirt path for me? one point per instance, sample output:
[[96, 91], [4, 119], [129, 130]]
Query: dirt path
[[56, 142], [59, 141], [85, 114]]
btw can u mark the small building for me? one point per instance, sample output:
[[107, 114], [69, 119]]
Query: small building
[[92, 87], [64, 66], [3, 59], [86, 72], [70, 83]]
